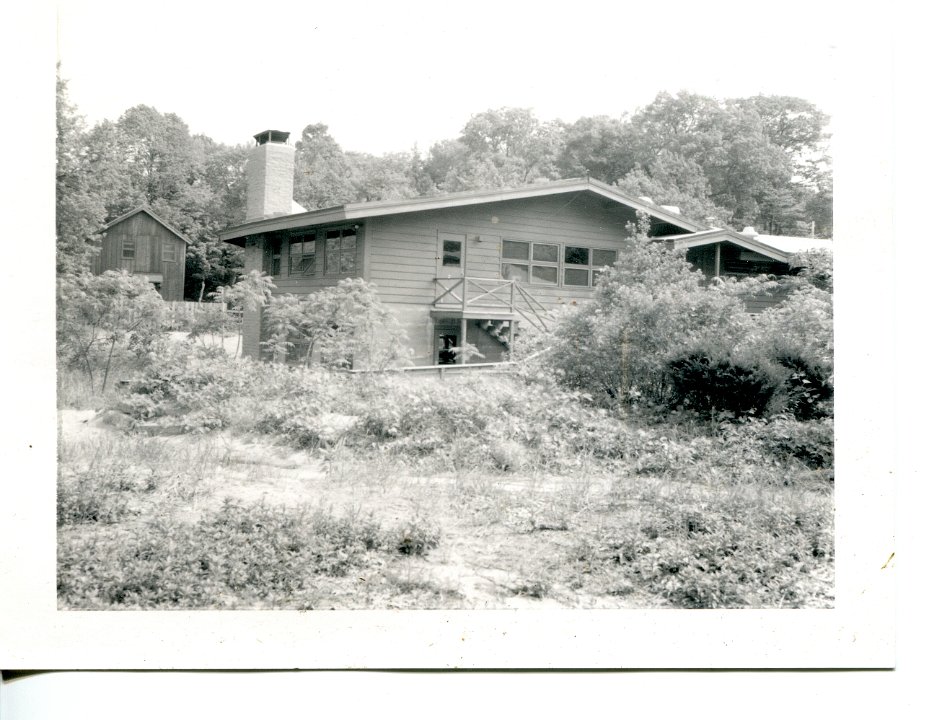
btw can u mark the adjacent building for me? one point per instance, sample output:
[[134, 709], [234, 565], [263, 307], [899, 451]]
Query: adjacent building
[[143, 244]]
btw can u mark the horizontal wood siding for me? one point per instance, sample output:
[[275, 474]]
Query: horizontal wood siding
[[150, 238], [403, 248]]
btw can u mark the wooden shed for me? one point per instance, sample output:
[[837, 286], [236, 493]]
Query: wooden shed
[[143, 244]]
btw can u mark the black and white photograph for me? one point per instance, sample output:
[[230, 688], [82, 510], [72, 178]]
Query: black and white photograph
[[495, 322]]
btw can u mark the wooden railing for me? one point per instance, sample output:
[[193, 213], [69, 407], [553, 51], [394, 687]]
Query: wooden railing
[[467, 294]]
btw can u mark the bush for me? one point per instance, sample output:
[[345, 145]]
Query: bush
[[806, 388], [746, 551], [243, 552], [647, 309], [709, 385], [103, 319], [344, 326]]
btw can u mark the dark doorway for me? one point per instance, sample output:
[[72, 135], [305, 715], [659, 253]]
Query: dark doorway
[[447, 355]]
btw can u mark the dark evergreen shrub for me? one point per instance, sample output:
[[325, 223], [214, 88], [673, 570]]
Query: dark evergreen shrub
[[708, 384], [807, 389]]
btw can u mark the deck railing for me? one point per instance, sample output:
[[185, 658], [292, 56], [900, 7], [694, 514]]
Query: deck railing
[[467, 294]]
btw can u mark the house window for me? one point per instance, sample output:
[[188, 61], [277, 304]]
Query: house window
[[275, 257], [600, 260], [535, 263], [169, 252], [340, 251], [303, 255], [582, 266], [128, 248], [542, 263], [451, 253]]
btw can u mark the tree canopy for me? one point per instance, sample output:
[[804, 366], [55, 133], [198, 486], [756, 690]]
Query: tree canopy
[[760, 161]]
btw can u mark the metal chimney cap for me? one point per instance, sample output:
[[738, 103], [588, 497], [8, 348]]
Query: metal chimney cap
[[274, 136]]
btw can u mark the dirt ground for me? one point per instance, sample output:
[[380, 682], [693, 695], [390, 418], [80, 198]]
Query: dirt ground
[[497, 532]]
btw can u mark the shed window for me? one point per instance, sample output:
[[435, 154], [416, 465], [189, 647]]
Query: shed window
[[128, 248], [340, 251], [303, 255], [169, 252]]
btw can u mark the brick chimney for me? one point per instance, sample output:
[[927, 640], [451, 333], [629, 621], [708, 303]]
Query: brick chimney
[[269, 176]]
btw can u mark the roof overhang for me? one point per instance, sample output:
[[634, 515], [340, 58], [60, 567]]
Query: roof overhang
[[361, 211], [714, 236]]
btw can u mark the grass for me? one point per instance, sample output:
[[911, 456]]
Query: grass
[[514, 499]]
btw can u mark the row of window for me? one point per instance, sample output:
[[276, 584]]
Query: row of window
[[334, 251], [168, 250], [543, 263]]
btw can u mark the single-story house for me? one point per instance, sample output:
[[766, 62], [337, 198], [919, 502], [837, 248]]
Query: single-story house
[[459, 268], [144, 244]]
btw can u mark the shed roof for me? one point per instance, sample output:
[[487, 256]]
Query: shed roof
[[148, 211], [379, 208]]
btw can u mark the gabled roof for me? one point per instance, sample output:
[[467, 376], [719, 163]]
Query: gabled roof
[[359, 211], [151, 214], [715, 235]]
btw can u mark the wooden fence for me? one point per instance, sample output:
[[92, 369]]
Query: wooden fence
[[183, 315]]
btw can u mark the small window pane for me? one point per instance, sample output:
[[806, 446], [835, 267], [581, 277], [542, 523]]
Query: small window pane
[[544, 274], [169, 252], [516, 272], [513, 250], [348, 253], [545, 253], [332, 253], [603, 257], [128, 248], [576, 256], [451, 253], [578, 278], [275, 246]]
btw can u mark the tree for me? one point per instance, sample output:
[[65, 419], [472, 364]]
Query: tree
[[79, 211], [497, 148], [103, 317], [597, 146], [322, 172]]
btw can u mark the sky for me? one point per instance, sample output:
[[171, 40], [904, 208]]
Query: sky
[[390, 75]]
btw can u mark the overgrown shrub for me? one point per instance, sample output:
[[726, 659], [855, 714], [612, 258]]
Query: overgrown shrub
[[341, 327], [91, 498], [708, 385], [749, 551], [105, 319], [247, 553], [650, 307], [806, 389]]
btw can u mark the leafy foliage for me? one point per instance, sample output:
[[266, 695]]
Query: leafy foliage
[[346, 325], [651, 306], [249, 553], [79, 207], [102, 318], [708, 385]]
